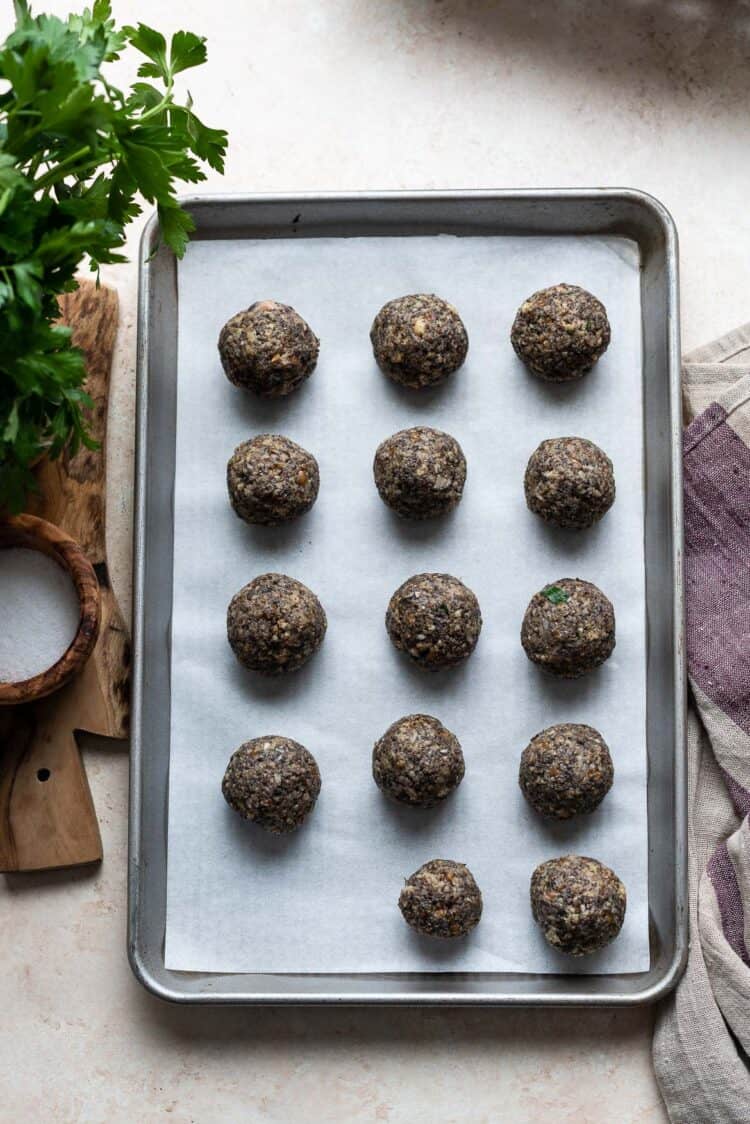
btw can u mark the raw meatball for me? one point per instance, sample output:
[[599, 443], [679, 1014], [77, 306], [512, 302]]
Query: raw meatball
[[419, 340], [272, 781], [268, 349], [560, 332], [435, 619], [417, 761], [578, 902], [570, 482], [569, 628], [566, 770], [272, 480], [420, 472], [441, 899], [274, 624]]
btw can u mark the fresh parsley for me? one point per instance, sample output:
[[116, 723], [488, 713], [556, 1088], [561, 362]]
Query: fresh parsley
[[77, 155], [556, 594]]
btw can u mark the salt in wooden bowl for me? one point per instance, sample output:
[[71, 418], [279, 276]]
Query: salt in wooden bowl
[[29, 533]]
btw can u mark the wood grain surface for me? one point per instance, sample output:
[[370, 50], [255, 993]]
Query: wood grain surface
[[47, 817], [72, 493]]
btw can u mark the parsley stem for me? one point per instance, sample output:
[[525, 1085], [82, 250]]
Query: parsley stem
[[54, 175], [162, 105]]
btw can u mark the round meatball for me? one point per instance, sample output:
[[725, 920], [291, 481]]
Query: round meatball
[[570, 482], [418, 341], [560, 332], [441, 899], [579, 903], [435, 619], [566, 770], [275, 624], [272, 480], [268, 349], [418, 761], [272, 781], [420, 472], [569, 628]]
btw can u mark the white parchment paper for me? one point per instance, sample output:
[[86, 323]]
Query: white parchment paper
[[324, 899]]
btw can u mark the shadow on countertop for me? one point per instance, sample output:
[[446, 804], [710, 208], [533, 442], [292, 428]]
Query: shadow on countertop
[[255, 1031], [680, 49]]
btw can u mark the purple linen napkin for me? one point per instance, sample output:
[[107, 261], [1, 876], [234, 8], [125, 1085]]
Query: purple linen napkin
[[702, 1033]]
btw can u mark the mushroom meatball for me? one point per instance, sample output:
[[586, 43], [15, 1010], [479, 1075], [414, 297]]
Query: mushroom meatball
[[420, 472], [435, 619], [441, 899], [272, 480], [275, 624], [419, 340], [268, 349], [273, 781], [578, 902], [569, 482], [566, 770], [418, 761], [569, 628], [560, 332]]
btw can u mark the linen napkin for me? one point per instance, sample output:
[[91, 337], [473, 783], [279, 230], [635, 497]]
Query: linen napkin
[[702, 1035]]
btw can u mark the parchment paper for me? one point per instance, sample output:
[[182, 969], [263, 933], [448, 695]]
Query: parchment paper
[[324, 899]]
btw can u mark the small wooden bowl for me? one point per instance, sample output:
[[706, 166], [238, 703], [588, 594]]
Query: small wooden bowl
[[37, 534]]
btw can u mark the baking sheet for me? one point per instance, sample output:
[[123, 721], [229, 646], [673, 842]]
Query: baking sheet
[[323, 900]]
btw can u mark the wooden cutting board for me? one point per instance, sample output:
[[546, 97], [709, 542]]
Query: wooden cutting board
[[47, 816]]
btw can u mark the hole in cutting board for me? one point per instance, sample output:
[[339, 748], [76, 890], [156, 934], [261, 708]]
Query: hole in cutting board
[[43, 774]]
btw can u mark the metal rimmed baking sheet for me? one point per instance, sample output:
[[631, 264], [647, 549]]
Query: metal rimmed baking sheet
[[622, 215]]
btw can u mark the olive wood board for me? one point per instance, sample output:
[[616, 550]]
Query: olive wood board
[[47, 815]]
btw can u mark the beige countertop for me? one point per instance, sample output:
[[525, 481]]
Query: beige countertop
[[347, 95]]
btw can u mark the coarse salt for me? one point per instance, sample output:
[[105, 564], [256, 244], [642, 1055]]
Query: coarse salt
[[39, 613]]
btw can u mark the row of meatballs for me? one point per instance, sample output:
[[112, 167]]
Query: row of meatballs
[[420, 473], [275, 624], [418, 340], [565, 770]]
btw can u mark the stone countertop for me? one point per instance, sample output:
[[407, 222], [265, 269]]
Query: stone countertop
[[348, 95]]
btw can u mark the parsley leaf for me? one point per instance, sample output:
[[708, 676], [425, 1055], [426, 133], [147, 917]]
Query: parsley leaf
[[556, 594], [153, 45], [76, 155], [175, 225], [186, 51]]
